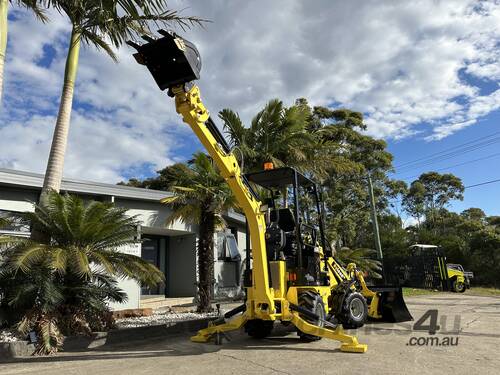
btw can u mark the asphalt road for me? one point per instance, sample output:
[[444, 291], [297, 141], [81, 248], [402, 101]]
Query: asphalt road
[[469, 338]]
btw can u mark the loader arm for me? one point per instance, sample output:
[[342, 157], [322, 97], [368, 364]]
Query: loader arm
[[190, 106]]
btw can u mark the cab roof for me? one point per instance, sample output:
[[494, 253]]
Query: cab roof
[[279, 177]]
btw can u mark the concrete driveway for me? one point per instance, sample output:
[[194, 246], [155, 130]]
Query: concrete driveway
[[468, 340]]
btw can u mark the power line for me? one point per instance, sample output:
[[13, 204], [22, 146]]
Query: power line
[[455, 165], [447, 150], [482, 183], [451, 155], [466, 187]]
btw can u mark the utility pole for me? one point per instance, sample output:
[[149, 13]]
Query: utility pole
[[376, 233]]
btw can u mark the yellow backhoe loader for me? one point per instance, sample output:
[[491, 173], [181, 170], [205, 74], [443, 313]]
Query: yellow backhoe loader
[[293, 276]]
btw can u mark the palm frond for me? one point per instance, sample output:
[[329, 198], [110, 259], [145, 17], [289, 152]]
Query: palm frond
[[364, 259], [103, 24], [35, 7]]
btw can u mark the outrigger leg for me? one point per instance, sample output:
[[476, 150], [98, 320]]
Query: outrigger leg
[[349, 343], [205, 334]]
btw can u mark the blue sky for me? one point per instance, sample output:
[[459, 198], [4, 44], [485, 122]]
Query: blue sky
[[480, 165], [426, 74]]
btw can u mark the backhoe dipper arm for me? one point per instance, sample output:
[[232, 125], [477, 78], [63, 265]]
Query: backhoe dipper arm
[[188, 104]]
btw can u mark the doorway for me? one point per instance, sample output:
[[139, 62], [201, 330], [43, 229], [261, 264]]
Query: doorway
[[153, 250]]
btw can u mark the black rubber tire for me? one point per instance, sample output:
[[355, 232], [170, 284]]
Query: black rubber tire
[[354, 312], [313, 302], [459, 287], [259, 329]]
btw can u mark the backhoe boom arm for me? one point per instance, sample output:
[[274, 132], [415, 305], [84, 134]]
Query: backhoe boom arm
[[189, 105]]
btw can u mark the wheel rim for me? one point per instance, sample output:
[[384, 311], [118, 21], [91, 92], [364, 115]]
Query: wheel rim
[[459, 286], [321, 313], [356, 308]]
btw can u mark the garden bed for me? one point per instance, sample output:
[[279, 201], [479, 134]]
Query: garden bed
[[161, 324], [161, 317], [8, 335]]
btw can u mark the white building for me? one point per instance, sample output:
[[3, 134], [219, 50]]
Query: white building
[[172, 249]]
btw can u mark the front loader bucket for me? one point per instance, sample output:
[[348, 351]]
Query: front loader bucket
[[391, 304]]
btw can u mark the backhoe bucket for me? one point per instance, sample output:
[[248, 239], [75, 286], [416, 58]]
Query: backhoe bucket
[[391, 304], [171, 60]]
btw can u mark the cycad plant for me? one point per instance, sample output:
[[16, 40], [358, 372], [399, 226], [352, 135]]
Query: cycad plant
[[64, 287], [3, 222], [200, 196], [32, 5], [364, 259]]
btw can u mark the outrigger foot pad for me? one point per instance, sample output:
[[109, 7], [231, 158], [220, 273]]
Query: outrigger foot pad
[[353, 348], [219, 330], [200, 337]]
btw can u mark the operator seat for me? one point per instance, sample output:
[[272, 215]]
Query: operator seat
[[284, 218]]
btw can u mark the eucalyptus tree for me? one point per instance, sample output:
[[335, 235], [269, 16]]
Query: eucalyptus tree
[[35, 6], [430, 193], [343, 157]]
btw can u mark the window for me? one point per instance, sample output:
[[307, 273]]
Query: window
[[234, 231], [227, 247], [14, 224]]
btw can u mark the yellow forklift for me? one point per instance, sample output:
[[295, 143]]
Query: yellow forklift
[[426, 266], [293, 276]]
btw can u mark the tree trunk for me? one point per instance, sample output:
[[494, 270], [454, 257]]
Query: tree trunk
[[3, 40], [206, 260], [55, 164]]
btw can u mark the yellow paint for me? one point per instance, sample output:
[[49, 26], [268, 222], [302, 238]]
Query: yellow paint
[[261, 298]]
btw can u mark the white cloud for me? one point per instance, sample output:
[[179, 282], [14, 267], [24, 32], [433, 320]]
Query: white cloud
[[401, 63]]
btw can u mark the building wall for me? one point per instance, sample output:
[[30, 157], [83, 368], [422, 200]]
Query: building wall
[[153, 215], [18, 200], [131, 287], [179, 240]]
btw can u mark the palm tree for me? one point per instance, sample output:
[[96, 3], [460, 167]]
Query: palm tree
[[64, 286], [277, 134], [4, 4], [200, 196], [95, 22]]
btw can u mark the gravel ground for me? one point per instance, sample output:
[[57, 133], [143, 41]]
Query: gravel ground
[[160, 317], [7, 335]]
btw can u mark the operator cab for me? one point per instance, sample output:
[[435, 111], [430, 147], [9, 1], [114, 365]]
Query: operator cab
[[294, 222]]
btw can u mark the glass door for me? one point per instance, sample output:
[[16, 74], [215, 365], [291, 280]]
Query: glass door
[[151, 254]]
